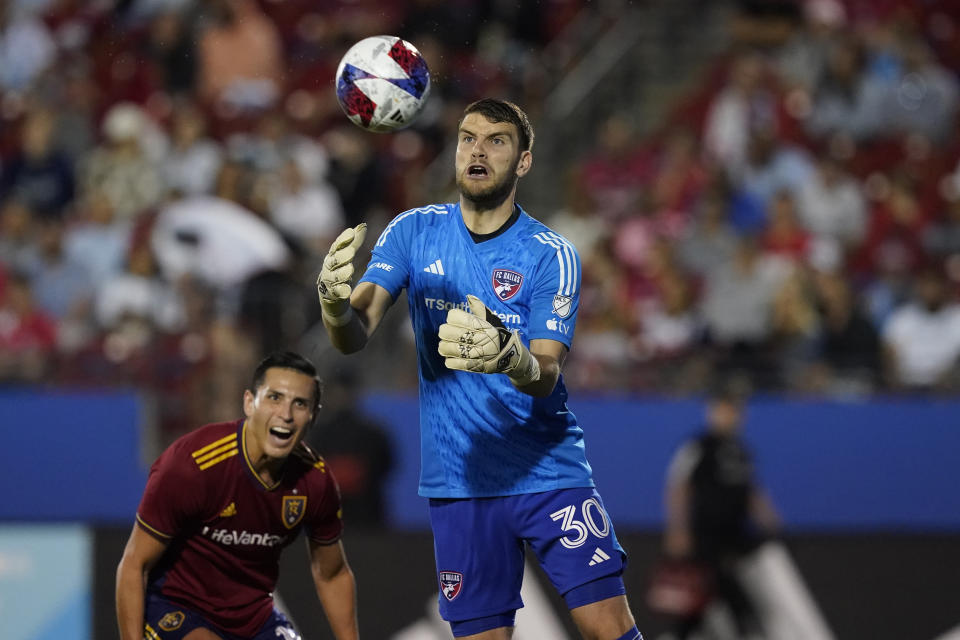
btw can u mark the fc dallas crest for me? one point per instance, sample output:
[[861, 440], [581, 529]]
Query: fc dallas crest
[[450, 583], [506, 283]]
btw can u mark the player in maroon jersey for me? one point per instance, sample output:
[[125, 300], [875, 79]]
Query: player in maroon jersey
[[220, 505]]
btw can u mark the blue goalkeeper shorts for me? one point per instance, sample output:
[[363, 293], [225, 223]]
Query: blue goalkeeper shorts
[[479, 549]]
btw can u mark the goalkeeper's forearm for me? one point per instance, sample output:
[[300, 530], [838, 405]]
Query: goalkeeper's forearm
[[549, 374], [346, 330]]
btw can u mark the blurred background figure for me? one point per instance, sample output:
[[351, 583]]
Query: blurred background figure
[[240, 57], [831, 204], [121, 166], [171, 45], [737, 307], [40, 175], [356, 447], [744, 105], [139, 295], [717, 512], [308, 212], [26, 48], [193, 163], [62, 285], [922, 338], [28, 336], [848, 358]]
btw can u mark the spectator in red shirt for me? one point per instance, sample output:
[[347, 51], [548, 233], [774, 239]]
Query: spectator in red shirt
[[618, 170], [241, 61], [680, 176], [27, 335], [784, 236], [894, 240]]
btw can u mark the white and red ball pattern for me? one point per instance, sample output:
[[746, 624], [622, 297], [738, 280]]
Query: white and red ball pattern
[[382, 83]]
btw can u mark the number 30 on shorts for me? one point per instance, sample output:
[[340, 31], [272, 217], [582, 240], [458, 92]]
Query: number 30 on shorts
[[591, 512]]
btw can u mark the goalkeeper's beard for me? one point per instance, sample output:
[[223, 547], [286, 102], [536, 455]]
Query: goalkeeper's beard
[[489, 198]]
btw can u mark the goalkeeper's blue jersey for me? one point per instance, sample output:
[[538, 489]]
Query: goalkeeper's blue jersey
[[479, 436]]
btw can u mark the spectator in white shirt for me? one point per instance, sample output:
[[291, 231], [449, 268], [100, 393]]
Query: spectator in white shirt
[[741, 107], [832, 205], [922, 338], [99, 241], [308, 212], [26, 49], [193, 163], [738, 296], [139, 292]]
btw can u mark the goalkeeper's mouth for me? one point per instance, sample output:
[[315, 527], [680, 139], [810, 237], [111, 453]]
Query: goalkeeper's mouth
[[477, 171]]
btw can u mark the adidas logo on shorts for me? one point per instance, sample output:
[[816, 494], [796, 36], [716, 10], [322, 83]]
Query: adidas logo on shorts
[[599, 555]]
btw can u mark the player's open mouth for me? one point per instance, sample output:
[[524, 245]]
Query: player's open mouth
[[281, 432], [476, 170]]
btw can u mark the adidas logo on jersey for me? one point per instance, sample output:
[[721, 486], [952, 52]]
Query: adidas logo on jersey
[[229, 510], [599, 555], [436, 267]]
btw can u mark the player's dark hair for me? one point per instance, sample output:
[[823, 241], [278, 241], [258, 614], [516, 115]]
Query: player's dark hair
[[496, 110], [733, 390], [287, 360]]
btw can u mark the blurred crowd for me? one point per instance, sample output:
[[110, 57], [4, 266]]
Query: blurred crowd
[[794, 223], [172, 172]]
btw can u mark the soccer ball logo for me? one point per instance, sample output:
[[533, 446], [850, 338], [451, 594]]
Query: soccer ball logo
[[382, 83]]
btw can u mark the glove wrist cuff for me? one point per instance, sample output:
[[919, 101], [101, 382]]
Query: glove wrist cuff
[[336, 313], [527, 370]]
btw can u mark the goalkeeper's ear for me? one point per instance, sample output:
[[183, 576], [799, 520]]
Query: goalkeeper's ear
[[481, 310]]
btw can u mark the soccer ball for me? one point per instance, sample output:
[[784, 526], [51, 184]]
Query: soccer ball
[[382, 83]]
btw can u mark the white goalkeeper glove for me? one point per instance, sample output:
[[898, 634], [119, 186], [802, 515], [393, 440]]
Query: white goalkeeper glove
[[478, 341], [335, 282]]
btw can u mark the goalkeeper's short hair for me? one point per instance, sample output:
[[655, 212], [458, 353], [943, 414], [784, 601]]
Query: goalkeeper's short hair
[[496, 110]]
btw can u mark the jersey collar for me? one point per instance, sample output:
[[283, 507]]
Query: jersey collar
[[249, 466], [508, 229]]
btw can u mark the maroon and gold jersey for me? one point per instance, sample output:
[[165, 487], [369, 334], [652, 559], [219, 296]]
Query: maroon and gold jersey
[[226, 527]]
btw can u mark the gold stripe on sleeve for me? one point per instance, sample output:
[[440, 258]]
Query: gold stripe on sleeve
[[229, 454], [215, 452], [214, 445], [151, 529]]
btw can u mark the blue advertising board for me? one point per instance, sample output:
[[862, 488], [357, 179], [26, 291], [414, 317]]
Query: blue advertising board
[[71, 456], [881, 465], [878, 465]]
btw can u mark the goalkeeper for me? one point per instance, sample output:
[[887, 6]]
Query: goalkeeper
[[493, 297]]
